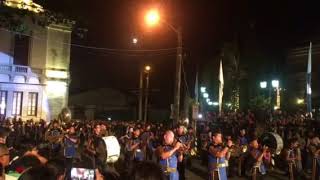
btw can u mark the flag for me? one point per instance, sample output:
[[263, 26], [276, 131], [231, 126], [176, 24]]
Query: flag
[[221, 83], [196, 89], [308, 88]]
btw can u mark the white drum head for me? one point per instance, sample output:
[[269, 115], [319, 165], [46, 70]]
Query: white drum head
[[113, 148]]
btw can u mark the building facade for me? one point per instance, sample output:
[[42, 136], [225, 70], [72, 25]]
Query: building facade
[[103, 104], [39, 89]]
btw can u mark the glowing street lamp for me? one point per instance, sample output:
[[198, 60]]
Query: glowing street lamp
[[147, 68], [275, 83], [215, 103], [200, 116], [152, 17], [300, 101], [205, 95], [134, 40], [263, 84], [203, 89]]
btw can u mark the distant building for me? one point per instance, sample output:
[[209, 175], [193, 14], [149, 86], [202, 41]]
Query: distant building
[[103, 104], [39, 89], [296, 69]]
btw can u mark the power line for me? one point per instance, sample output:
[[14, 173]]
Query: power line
[[133, 55], [93, 47]]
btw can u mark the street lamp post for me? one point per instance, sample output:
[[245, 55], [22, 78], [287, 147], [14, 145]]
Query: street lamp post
[[140, 93], [152, 18], [275, 85], [147, 71]]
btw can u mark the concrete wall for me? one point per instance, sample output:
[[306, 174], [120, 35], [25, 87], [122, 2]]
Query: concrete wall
[[50, 50], [6, 47]]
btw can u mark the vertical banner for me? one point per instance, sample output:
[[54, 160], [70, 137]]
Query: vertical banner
[[308, 88], [221, 84]]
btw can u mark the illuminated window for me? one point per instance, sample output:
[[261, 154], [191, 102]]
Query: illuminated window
[[3, 102], [32, 104], [17, 103]]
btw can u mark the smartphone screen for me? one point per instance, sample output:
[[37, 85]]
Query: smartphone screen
[[82, 174]]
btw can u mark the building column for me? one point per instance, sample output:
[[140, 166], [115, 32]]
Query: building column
[[9, 103]]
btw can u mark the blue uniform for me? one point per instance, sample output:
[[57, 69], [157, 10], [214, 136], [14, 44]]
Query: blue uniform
[[260, 165], [70, 148], [55, 146], [169, 165], [138, 153], [217, 164], [243, 141]]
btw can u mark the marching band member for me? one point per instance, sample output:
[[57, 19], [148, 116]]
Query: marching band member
[[70, 142], [136, 146], [217, 157], [192, 146], [293, 157], [183, 139], [147, 137], [54, 136], [243, 145], [257, 157], [97, 147], [168, 156], [205, 139], [242, 139]]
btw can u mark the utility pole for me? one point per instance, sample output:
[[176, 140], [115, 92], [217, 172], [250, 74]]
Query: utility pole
[[140, 94], [146, 98], [178, 78]]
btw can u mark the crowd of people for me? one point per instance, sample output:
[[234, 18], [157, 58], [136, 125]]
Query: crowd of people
[[229, 144]]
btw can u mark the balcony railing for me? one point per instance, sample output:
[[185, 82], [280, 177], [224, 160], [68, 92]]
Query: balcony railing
[[4, 68], [21, 69]]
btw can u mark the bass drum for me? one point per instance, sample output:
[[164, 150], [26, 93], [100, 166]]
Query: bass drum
[[113, 149], [273, 141]]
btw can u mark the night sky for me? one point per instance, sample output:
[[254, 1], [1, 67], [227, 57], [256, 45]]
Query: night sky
[[275, 25]]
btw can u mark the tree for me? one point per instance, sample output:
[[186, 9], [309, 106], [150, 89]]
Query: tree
[[260, 102], [234, 72]]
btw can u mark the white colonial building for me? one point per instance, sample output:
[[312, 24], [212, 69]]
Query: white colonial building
[[38, 90]]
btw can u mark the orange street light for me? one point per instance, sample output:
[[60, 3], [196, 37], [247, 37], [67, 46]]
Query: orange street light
[[147, 68], [134, 40], [152, 17]]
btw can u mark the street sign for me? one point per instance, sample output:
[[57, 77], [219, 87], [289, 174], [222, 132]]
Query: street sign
[[195, 111]]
